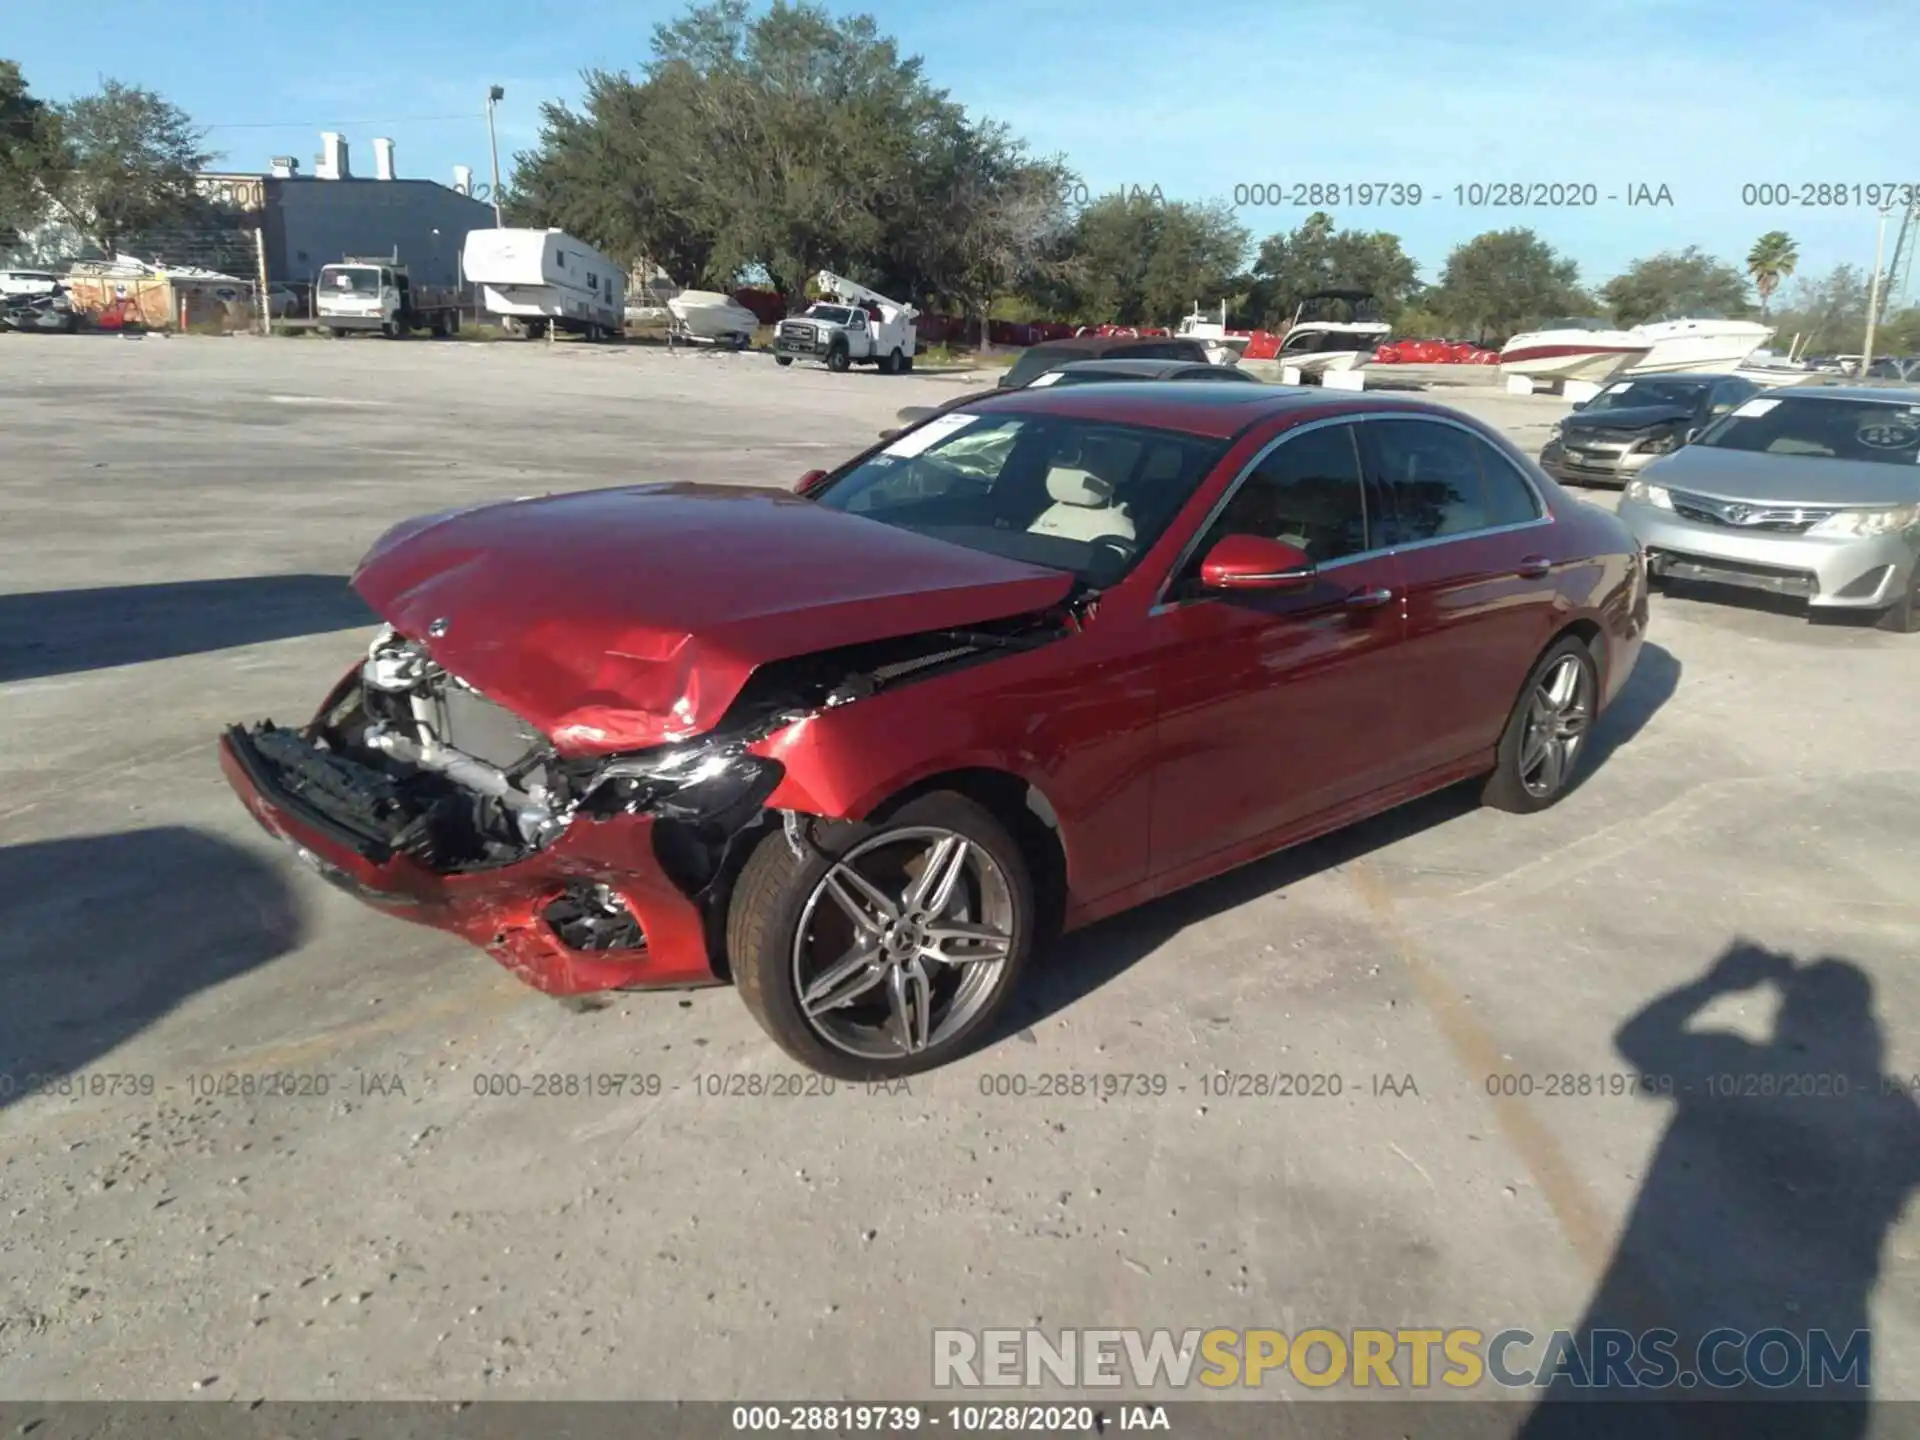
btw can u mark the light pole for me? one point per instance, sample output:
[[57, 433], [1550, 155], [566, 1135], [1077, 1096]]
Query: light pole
[[495, 94], [1873, 293]]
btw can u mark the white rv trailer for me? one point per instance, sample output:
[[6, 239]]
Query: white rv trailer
[[541, 280]]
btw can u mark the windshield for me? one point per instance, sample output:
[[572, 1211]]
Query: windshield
[[832, 314], [1638, 394], [351, 279], [1822, 428], [1074, 495]]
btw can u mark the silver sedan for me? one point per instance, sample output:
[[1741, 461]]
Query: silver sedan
[[1808, 492]]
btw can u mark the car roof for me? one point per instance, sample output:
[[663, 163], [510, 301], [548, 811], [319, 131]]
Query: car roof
[[1214, 409], [1884, 394], [1145, 367], [1096, 343]]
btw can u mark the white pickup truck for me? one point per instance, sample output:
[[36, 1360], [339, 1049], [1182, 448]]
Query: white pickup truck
[[850, 325]]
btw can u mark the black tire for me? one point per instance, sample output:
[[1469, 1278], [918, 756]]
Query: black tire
[[778, 891], [1519, 784], [783, 359], [892, 364], [453, 323], [1903, 616], [838, 360], [906, 363]]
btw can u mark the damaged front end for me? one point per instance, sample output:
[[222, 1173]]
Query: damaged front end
[[430, 801]]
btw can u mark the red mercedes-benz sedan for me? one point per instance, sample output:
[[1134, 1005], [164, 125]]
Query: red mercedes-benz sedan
[[861, 748]]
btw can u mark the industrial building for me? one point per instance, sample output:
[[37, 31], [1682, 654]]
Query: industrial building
[[313, 219]]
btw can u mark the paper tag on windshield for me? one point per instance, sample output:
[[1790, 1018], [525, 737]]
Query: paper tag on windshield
[[1052, 377], [1754, 409], [929, 434]]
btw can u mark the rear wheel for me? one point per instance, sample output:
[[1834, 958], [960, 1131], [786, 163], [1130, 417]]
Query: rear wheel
[[1547, 732], [888, 949], [783, 359], [906, 362], [892, 364]]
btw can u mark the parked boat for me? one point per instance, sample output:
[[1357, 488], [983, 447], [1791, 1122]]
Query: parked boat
[[1700, 345], [712, 318], [1223, 346], [1319, 340], [1575, 348]]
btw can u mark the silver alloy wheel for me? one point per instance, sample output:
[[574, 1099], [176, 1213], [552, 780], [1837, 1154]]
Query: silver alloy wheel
[[916, 928], [1559, 714]]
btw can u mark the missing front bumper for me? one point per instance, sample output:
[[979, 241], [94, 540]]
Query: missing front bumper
[[512, 911]]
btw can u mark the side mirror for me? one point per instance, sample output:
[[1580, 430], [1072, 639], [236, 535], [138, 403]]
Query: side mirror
[[1251, 562], [806, 483], [1579, 404], [889, 434], [1693, 434]]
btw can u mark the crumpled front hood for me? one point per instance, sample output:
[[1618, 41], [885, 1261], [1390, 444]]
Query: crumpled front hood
[[619, 619]]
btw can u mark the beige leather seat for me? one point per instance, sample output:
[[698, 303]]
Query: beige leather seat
[[1083, 507]]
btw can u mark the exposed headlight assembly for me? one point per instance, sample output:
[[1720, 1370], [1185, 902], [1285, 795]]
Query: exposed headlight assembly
[[1862, 524], [682, 782], [1645, 494]]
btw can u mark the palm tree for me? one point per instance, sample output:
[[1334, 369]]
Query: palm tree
[[1770, 261]]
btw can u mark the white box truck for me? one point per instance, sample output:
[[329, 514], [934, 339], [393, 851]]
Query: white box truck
[[539, 281], [375, 292]]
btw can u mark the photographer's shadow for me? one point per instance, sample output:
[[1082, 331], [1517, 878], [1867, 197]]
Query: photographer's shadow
[[1766, 1206]]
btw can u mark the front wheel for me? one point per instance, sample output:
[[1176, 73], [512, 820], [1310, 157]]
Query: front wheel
[[1547, 731], [888, 949], [839, 361], [1903, 616], [783, 359]]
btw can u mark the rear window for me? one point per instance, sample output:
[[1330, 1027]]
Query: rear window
[[1821, 428], [1038, 361]]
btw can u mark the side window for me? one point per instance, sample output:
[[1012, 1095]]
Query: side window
[[1149, 352], [1730, 393], [1432, 473], [1307, 492], [1509, 498]]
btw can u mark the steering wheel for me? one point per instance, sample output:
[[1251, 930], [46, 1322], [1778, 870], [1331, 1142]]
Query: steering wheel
[[1111, 555]]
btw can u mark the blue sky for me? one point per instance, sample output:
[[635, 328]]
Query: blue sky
[[1700, 96]]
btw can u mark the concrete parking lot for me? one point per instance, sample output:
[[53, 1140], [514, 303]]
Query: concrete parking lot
[[392, 1222]]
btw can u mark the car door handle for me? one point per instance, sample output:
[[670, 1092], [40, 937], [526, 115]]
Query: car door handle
[[1534, 566], [1367, 599]]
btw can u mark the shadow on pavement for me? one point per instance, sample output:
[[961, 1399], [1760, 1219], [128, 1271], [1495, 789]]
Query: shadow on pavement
[[61, 632], [105, 934], [1754, 1244], [1655, 678]]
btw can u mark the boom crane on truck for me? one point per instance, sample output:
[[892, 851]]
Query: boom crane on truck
[[849, 325]]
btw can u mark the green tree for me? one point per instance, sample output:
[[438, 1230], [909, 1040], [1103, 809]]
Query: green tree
[[785, 142], [30, 155], [988, 221], [612, 175], [1137, 258], [129, 162], [1315, 257], [1771, 260], [1828, 312], [1676, 283], [1503, 281]]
